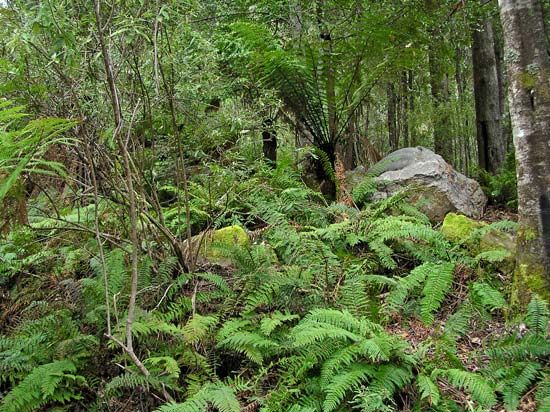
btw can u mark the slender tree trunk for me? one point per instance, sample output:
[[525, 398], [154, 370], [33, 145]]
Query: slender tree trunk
[[269, 142], [392, 119], [491, 147], [132, 207], [528, 65], [405, 95], [440, 92], [410, 88], [440, 95], [504, 112]]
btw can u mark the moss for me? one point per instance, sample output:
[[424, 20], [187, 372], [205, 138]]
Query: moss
[[214, 242], [459, 227], [528, 81], [529, 275], [528, 279], [228, 236]]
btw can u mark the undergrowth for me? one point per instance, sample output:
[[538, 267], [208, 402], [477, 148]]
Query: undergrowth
[[330, 308]]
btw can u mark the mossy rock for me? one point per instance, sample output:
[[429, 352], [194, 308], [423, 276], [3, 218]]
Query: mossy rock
[[459, 228], [213, 243]]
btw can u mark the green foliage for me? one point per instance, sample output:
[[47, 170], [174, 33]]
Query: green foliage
[[501, 188], [518, 360], [318, 312], [49, 383], [474, 384], [218, 395], [437, 279], [23, 145]]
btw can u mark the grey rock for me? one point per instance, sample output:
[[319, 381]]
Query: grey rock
[[436, 188]]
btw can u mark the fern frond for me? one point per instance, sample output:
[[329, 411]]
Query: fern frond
[[218, 395], [517, 383], [344, 382], [488, 296], [474, 384], [49, 383], [438, 283], [428, 389], [537, 316], [530, 346], [269, 324]]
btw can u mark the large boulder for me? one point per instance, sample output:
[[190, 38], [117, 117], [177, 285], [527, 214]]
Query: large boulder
[[436, 188]]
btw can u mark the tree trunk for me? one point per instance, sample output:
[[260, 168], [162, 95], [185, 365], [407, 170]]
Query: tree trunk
[[491, 147], [405, 94], [528, 64], [440, 92], [392, 121], [504, 113], [269, 142], [410, 89]]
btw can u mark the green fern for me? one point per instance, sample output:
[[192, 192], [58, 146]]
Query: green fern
[[518, 380], [438, 283], [488, 296], [218, 395], [344, 382], [437, 279], [537, 316], [428, 389], [474, 384], [49, 383]]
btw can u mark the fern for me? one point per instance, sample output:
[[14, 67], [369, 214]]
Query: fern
[[269, 324], [531, 346], [342, 383], [517, 383], [474, 384], [537, 316], [218, 395], [438, 283], [132, 380], [428, 389], [198, 327], [488, 296], [49, 383], [362, 192]]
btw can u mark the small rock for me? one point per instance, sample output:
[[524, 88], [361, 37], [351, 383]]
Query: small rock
[[212, 241], [457, 228]]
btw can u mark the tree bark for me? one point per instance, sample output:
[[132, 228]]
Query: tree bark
[[528, 64], [491, 147], [269, 142], [405, 94], [392, 120], [440, 91]]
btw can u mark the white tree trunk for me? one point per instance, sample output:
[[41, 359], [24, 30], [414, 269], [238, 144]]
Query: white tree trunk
[[528, 64]]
